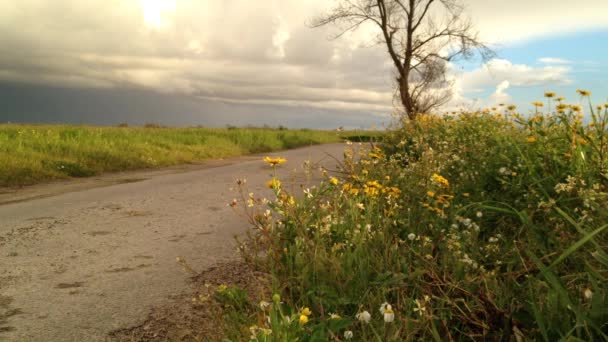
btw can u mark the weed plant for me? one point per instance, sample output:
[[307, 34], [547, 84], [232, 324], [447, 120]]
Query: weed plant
[[473, 226]]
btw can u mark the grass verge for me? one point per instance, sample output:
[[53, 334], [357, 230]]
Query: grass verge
[[31, 154]]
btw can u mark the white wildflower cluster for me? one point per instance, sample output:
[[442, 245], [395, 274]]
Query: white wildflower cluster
[[364, 316], [467, 223], [256, 331], [504, 171], [570, 185], [467, 260]]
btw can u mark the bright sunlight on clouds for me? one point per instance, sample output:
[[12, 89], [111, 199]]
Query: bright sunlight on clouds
[[157, 13]]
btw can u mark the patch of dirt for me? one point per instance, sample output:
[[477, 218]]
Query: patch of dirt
[[31, 231], [127, 269], [183, 320], [6, 312], [69, 285]]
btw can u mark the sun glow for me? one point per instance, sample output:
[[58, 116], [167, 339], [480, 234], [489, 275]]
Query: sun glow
[[156, 12]]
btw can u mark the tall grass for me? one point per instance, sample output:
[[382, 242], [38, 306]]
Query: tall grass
[[476, 226], [31, 154]]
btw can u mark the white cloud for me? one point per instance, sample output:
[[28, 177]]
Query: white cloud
[[520, 20], [501, 74], [554, 60], [522, 75], [500, 96]]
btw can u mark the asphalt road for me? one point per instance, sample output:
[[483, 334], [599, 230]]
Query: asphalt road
[[79, 259]]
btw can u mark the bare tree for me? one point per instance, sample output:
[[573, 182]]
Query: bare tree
[[421, 36]]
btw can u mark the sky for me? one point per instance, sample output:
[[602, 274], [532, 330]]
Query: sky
[[242, 62]]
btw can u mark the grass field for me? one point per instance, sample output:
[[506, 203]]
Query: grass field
[[474, 226], [31, 154]]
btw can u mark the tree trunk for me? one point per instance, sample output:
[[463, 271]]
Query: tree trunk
[[406, 99]]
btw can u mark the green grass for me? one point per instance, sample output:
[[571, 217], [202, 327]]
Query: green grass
[[31, 154], [472, 227]]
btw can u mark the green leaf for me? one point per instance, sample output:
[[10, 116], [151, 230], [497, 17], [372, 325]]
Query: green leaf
[[577, 245]]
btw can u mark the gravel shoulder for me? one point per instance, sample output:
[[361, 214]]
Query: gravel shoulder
[[80, 259]]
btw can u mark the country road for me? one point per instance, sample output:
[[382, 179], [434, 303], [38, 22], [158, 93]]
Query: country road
[[79, 259]]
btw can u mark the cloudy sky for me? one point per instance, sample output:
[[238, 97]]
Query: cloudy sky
[[239, 62]]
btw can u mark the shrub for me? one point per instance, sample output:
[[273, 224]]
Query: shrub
[[475, 226]]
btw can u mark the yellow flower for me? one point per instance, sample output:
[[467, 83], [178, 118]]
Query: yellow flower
[[605, 105], [303, 319], [576, 108], [440, 180], [560, 99], [375, 155], [274, 161], [306, 311], [531, 139], [273, 183], [288, 199], [567, 155], [392, 191], [334, 180], [583, 92], [430, 193], [372, 188], [549, 94], [511, 107], [466, 194], [222, 288], [444, 200], [538, 104], [348, 187]]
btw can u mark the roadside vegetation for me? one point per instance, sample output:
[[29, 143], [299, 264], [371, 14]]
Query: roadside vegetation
[[470, 226], [36, 153]]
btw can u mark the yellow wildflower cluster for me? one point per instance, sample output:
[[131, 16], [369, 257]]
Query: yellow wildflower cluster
[[304, 314], [372, 188], [444, 199], [287, 199], [376, 153], [441, 201], [391, 191], [273, 183], [349, 188], [440, 180]]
